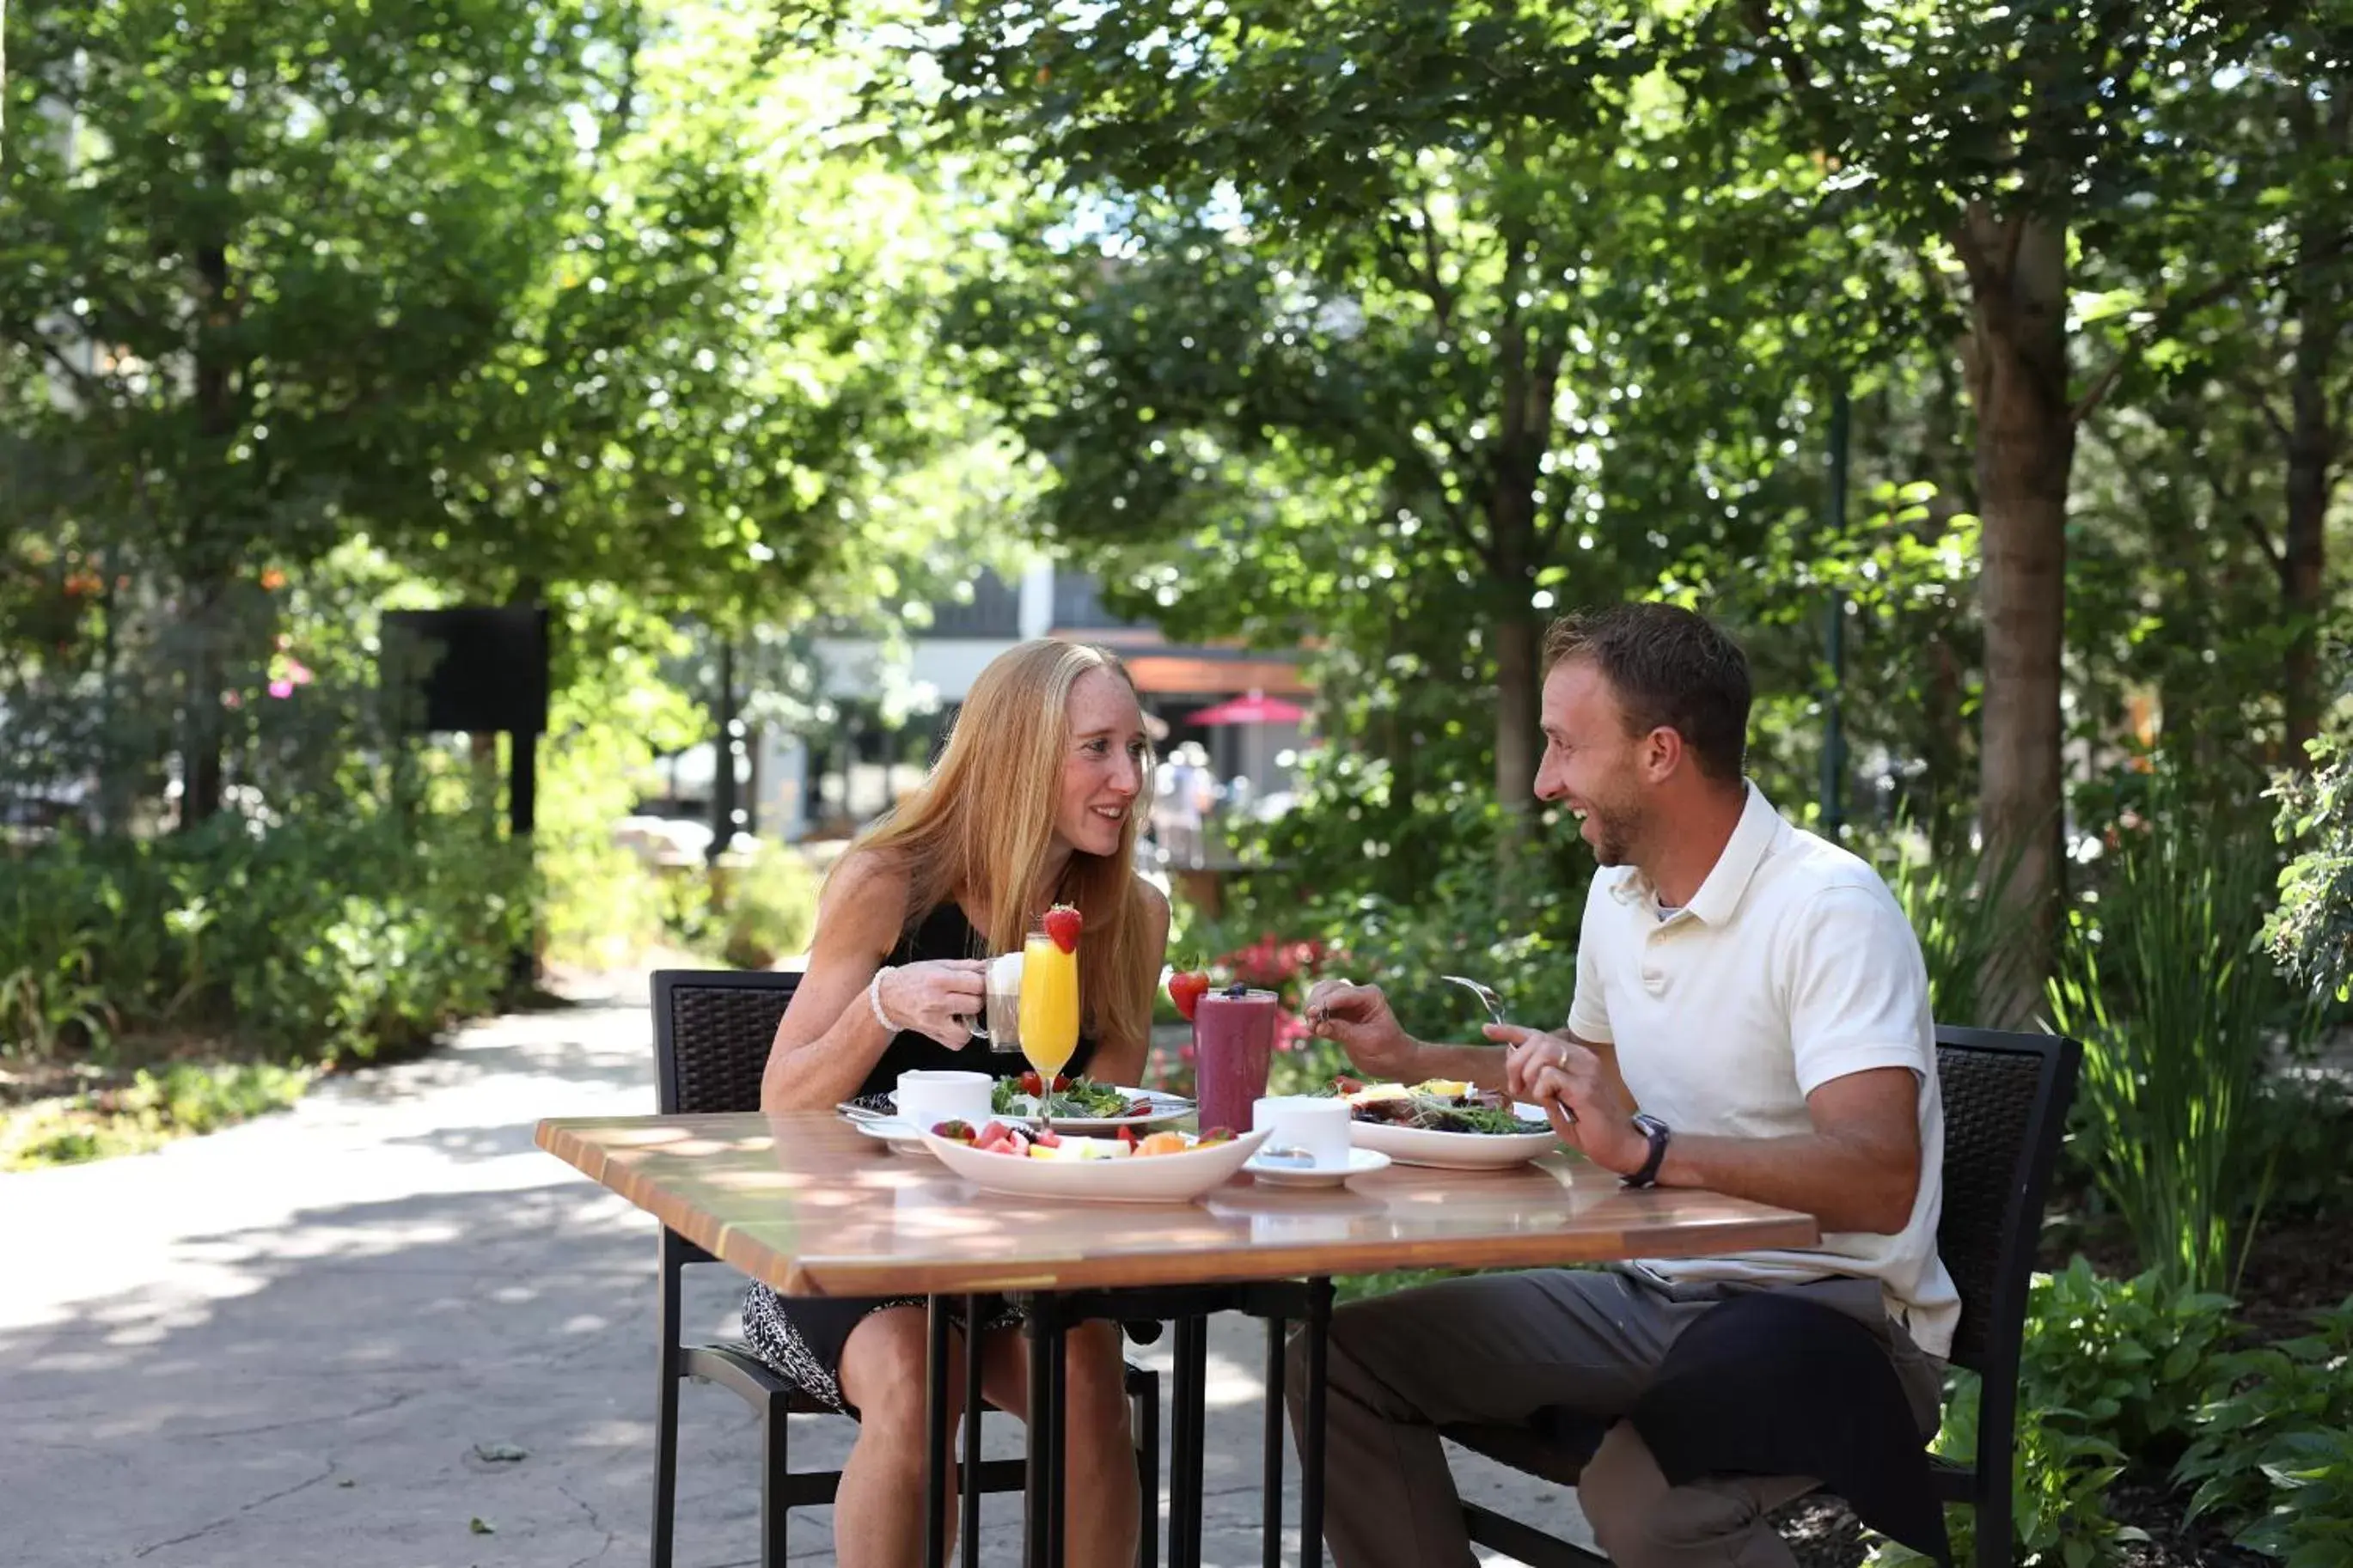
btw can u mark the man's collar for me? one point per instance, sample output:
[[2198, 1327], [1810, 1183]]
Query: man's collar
[[1734, 868]]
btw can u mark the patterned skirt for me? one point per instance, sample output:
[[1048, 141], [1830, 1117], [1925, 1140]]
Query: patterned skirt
[[801, 1337]]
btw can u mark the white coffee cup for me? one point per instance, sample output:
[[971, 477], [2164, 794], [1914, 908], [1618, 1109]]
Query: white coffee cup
[[1316, 1123], [927, 1099]]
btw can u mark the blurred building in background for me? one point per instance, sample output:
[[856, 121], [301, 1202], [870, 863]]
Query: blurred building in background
[[892, 704]]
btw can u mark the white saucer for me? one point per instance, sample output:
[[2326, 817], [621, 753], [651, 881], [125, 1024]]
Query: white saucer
[[1361, 1162], [903, 1137]]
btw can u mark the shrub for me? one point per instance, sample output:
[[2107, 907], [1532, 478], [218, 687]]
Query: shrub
[[322, 938], [770, 908], [2166, 983], [2110, 1368], [2125, 1360], [2312, 930], [2274, 1451], [150, 1110]]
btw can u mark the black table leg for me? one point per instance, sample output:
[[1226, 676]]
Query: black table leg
[[1057, 1410], [1311, 1440], [1272, 1523], [972, 1432], [935, 1433], [1042, 1539], [1187, 1432]]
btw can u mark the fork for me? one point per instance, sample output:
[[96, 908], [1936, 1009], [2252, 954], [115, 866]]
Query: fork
[[1495, 1011], [1494, 1003]]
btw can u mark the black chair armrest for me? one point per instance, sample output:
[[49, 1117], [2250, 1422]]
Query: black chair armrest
[[752, 1380], [1954, 1482]]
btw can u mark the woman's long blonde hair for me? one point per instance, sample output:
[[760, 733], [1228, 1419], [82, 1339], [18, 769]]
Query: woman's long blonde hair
[[980, 826]]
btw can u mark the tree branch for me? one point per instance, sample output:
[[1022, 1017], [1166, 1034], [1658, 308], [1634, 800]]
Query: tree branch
[[2174, 311], [1441, 299], [2261, 400], [2272, 553], [1765, 21], [41, 343]]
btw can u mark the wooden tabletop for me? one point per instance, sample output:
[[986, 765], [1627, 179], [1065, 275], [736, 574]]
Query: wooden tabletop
[[812, 1208]]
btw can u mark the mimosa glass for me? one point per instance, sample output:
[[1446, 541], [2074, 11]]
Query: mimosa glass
[[1049, 1011]]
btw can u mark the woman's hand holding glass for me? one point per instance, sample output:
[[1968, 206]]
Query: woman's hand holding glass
[[939, 997]]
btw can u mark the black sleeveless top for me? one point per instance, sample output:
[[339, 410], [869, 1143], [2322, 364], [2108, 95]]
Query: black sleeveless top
[[946, 933]]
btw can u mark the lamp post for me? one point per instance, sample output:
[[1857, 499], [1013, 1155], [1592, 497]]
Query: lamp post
[[1834, 631]]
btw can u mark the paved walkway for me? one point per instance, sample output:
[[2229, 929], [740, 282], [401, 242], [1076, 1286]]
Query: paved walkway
[[308, 1338]]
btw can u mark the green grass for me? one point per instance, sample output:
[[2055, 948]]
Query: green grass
[[149, 1111]]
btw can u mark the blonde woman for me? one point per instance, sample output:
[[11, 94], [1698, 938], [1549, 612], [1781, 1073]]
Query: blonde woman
[[1035, 802]]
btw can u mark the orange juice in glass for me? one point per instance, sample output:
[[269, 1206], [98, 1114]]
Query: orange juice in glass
[[1050, 1006]]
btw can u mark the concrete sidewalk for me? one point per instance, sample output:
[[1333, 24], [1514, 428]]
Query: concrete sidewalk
[[302, 1342]]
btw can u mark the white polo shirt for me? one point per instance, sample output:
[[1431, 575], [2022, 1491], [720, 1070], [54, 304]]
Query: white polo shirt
[[1792, 965]]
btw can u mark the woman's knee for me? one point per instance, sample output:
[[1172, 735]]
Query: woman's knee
[[883, 1372], [1097, 1380]]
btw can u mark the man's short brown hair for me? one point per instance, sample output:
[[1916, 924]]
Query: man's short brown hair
[[1669, 668]]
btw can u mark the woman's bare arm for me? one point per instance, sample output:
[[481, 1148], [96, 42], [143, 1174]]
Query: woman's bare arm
[[829, 1039]]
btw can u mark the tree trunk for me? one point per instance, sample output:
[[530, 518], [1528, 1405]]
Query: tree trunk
[[2311, 479], [206, 563], [2025, 450], [1519, 641], [1518, 649]]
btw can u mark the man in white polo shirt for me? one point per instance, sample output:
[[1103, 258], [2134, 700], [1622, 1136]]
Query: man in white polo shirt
[[1751, 1015]]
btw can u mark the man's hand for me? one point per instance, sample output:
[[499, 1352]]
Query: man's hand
[[1359, 1017], [1579, 1095]]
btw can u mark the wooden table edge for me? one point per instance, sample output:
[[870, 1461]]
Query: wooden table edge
[[821, 1275]]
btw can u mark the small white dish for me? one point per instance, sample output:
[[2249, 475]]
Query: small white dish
[[1361, 1162]]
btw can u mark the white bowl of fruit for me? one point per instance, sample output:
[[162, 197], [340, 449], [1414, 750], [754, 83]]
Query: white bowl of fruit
[[1164, 1167]]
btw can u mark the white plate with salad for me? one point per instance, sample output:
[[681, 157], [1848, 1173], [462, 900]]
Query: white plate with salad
[[1445, 1124]]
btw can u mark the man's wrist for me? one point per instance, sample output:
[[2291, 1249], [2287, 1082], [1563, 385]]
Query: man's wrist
[[1627, 1150]]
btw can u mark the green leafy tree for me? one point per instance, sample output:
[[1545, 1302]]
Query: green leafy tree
[[1388, 332], [2016, 145], [240, 281], [533, 300]]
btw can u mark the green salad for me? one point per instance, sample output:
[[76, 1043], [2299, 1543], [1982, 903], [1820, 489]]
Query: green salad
[[1436, 1105], [1080, 1096]]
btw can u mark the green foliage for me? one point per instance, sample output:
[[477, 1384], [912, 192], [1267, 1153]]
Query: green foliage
[[2111, 1370], [2166, 983], [183, 1099], [2311, 931], [2060, 1517], [1958, 916], [325, 938], [771, 907], [2273, 1448], [1398, 890], [2124, 1360]]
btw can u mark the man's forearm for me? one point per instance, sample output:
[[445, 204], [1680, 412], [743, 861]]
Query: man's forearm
[[1845, 1185]]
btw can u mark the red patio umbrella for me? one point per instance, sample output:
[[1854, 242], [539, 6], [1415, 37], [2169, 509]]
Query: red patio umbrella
[[1256, 709]]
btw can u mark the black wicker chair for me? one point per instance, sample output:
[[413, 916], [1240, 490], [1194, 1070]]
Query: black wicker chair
[[2006, 1099], [712, 1032]]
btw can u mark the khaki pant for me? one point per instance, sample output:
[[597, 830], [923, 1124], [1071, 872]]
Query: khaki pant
[[1495, 1350]]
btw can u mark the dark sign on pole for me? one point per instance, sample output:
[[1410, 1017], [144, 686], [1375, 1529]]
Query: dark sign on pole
[[471, 670], [475, 670]]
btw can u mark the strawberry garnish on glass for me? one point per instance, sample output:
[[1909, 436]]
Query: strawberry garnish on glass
[[1062, 922]]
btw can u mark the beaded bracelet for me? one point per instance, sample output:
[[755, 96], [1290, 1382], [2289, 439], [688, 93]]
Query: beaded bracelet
[[874, 1000]]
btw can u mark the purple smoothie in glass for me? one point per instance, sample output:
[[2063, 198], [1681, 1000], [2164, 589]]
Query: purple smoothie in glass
[[1233, 1035]]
